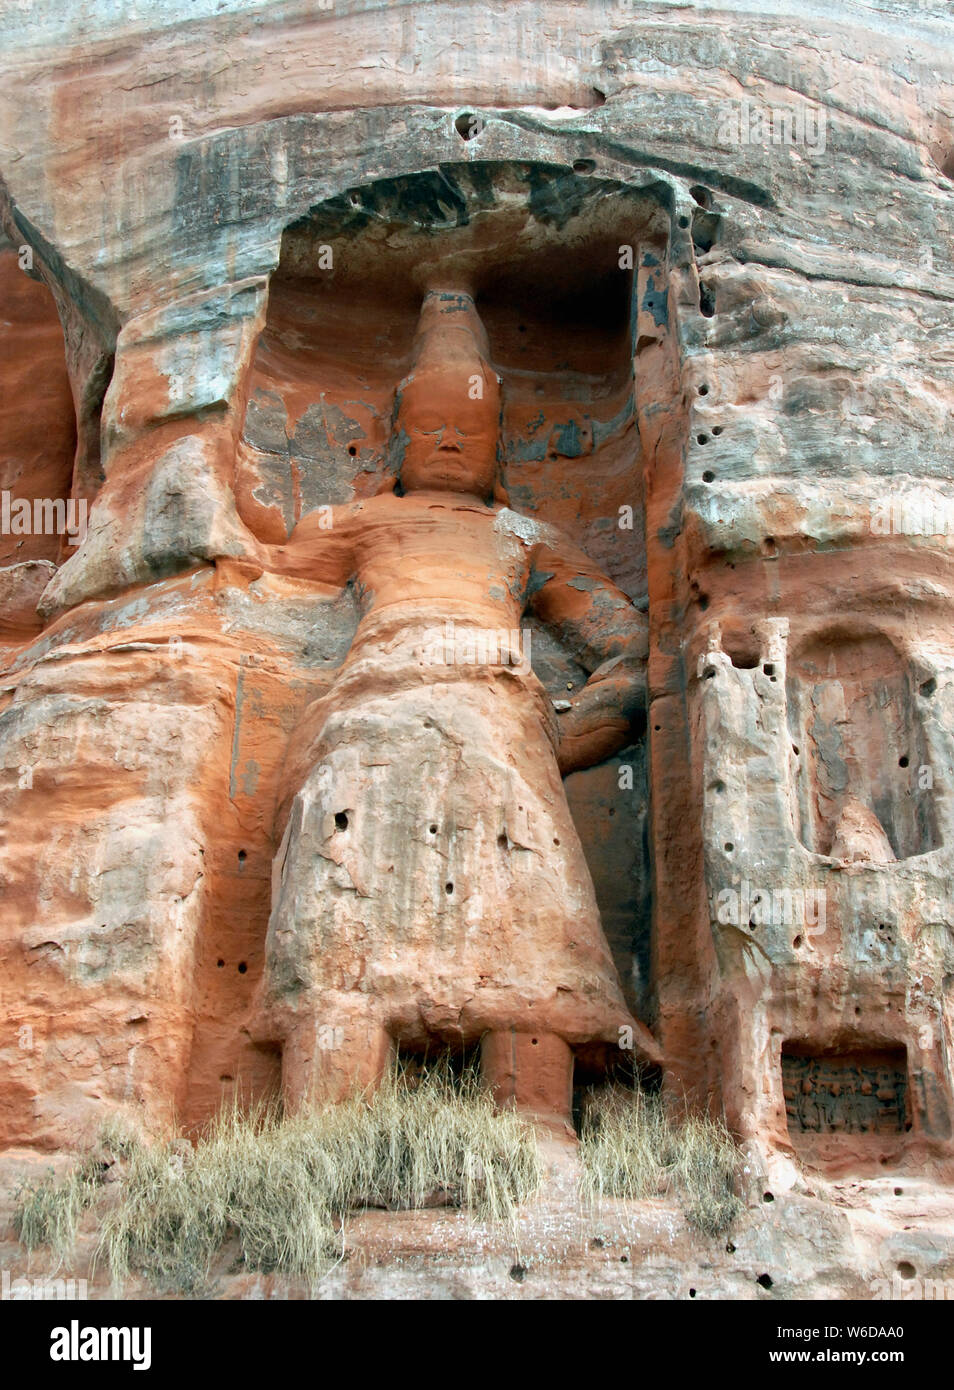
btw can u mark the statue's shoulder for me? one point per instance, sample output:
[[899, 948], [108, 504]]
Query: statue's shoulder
[[529, 529]]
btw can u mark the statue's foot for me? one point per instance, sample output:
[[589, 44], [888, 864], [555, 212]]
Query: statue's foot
[[325, 1061], [533, 1072]]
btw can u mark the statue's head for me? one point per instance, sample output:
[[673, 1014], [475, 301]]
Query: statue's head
[[448, 410]]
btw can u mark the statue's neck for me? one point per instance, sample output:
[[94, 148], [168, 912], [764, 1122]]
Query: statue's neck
[[448, 498]]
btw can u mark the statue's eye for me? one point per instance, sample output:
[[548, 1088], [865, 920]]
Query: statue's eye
[[430, 424]]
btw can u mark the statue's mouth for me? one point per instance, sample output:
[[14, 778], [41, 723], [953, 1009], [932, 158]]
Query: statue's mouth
[[449, 463]]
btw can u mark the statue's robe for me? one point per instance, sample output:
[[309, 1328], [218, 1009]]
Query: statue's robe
[[431, 880]]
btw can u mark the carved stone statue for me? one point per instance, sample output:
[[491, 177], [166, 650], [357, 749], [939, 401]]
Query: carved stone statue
[[431, 887]]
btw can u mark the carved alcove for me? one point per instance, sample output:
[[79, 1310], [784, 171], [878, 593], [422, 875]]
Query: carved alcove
[[846, 1104], [540, 248], [36, 464], [853, 715]]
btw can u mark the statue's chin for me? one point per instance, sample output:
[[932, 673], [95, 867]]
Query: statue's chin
[[443, 476]]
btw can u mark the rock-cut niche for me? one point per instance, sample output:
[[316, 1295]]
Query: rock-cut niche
[[853, 714], [36, 460], [539, 247]]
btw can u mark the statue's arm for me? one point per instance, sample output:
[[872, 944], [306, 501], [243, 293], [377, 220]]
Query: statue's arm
[[320, 548], [608, 637]]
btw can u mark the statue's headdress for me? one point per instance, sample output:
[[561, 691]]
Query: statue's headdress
[[450, 334]]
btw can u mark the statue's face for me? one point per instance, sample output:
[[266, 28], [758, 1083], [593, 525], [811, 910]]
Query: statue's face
[[451, 437]]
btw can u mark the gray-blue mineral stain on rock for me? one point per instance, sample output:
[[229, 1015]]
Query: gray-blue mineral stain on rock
[[605, 429], [320, 447], [566, 439], [266, 423], [655, 302]]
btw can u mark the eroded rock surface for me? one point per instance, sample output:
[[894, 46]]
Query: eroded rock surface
[[701, 265]]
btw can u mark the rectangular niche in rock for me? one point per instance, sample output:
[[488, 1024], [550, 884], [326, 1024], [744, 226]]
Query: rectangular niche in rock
[[853, 708], [856, 1092]]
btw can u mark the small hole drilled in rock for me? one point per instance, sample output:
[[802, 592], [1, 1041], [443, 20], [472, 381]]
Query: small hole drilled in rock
[[797, 943], [928, 688], [518, 1273], [352, 450], [341, 820], [692, 1293], [468, 125], [242, 967], [433, 829], [448, 888], [768, 1196], [684, 222], [899, 1191], [708, 477], [906, 1269], [729, 846], [242, 856], [703, 390], [220, 964], [702, 439], [765, 1280], [903, 762]]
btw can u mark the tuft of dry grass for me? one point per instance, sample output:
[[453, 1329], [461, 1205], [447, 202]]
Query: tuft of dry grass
[[49, 1210], [632, 1146], [282, 1186]]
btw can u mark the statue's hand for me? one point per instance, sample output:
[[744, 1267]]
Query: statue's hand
[[603, 717]]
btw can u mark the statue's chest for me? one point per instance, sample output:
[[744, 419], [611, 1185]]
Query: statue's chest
[[443, 543]]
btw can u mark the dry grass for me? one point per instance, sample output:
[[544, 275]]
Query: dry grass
[[282, 1187], [48, 1211], [631, 1146]]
